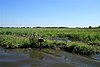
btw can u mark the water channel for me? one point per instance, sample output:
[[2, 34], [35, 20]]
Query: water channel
[[45, 58]]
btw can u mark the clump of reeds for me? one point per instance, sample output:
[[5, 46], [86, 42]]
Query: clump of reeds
[[11, 41], [82, 48]]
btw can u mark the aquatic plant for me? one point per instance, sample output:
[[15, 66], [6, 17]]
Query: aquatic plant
[[9, 41], [82, 48]]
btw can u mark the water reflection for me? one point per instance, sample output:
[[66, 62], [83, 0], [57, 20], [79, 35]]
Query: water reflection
[[43, 58], [96, 57]]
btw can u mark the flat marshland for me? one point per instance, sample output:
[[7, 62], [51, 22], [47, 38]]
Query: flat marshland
[[83, 41]]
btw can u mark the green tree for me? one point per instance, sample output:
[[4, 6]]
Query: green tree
[[90, 26], [99, 26]]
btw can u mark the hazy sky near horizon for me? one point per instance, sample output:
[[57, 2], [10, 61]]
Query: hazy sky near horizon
[[70, 13]]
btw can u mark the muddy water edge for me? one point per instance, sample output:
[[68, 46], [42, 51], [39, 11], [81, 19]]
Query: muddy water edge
[[44, 58]]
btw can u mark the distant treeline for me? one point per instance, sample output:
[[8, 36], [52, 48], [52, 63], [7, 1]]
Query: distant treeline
[[90, 27]]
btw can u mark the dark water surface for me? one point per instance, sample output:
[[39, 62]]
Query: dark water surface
[[44, 58]]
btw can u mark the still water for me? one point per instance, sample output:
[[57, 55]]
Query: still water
[[44, 58]]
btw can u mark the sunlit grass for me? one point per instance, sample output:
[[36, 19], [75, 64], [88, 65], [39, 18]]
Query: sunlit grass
[[82, 48], [10, 41]]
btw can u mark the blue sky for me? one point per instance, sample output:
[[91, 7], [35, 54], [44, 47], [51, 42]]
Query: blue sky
[[70, 13]]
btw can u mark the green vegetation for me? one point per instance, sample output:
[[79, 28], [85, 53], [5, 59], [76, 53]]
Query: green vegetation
[[87, 39], [9, 41], [82, 48]]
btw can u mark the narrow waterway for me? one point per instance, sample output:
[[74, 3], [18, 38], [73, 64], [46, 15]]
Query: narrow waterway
[[44, 58]]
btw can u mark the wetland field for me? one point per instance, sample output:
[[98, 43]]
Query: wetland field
[[49, 47]]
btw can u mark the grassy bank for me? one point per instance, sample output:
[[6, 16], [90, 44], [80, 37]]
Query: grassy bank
[[82, 48], [39, 38], [9, 41]]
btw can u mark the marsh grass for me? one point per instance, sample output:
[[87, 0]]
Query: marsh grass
[[28, 37], [82, 48], [9, 41]]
